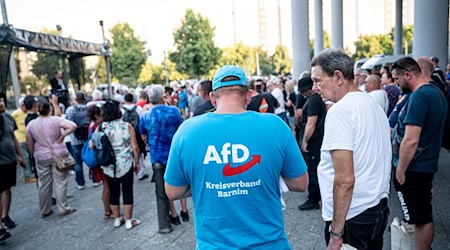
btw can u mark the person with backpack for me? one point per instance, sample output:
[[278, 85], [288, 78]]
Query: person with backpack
[[131, 113], [117, 138], [77, 114]]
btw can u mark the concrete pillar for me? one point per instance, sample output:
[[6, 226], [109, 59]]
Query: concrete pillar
[[300, 37], [431, 34], [398, 29], [318, 35], [337, 24]]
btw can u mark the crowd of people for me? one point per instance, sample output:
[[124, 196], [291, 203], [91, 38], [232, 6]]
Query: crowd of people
[[340, 134]]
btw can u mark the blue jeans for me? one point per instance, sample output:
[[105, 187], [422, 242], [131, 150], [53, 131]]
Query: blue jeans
[[365, 231], [79, 174]]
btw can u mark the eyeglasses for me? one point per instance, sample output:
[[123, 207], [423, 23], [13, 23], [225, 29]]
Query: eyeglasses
[[398, 66]]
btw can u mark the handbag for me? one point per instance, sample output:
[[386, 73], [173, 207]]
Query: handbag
[[63, 163], [402, 236], [88, 154]]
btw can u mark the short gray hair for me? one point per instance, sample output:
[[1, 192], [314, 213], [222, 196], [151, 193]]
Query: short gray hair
[[97, 95], [155, 93], [334, 59]]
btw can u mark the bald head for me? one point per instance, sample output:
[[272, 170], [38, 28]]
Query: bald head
[[426, 66], [373, 82]]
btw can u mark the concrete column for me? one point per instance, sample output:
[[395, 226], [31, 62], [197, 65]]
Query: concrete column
[[318, 38], [431, 34], [300, 37], [398, 30], [337, 24]]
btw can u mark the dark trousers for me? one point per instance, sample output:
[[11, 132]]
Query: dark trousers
[[313, 188], [365, 231], [79, 173], [126, 183]]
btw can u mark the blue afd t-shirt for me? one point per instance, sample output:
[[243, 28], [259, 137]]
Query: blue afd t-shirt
[[426, 108], [233, 163], [160, 124]]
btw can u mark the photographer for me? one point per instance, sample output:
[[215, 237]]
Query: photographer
[[60, 89]]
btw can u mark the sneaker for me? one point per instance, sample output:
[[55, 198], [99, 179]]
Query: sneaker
[[143, 177], [119, 222], [4, 234], [175, 220], [309, 205], [69, 211], [96, 184], [80, 187], [129, 224], [185, 215], [8, 223]]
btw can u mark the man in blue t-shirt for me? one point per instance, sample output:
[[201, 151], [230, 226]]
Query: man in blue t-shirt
[[230, 163], [417, 141], [157, 128]]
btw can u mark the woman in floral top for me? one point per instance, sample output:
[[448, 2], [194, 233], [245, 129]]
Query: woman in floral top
[[123, 140]]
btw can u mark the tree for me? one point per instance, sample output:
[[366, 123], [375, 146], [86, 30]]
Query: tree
[[370, 45], [46, 63], [146, 73], [195, 51], [326, 43], [128, 53], [408, 37], [281, 60], [100, 70], [240, 55]]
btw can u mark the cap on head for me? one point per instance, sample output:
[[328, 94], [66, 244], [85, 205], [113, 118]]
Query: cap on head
[[434, 59], [229, 70], [304, 84]]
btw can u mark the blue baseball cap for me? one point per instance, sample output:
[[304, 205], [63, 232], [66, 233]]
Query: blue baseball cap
[[229, 70]]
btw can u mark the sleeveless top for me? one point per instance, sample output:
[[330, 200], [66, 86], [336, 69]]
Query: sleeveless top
[[120, 138]]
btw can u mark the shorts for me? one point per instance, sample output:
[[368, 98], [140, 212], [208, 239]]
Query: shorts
[[8, 176], [98, 175], [415, 197]]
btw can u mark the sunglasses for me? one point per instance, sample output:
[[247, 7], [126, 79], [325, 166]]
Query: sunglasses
[[398, 66]]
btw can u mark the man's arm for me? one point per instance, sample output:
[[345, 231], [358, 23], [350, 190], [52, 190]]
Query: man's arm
[[309, 131], [344, 181], [175, 193], [408, 148], [298, 184]]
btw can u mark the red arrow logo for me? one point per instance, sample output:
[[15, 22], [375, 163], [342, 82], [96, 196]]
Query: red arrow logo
[[229, 171]]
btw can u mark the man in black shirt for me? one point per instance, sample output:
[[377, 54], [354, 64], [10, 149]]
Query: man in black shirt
[[311, 132], [261, 102], [205, 87]]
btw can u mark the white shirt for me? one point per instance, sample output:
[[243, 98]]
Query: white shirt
[[139, 110], [278, 94], [357, 124], [380, 96]]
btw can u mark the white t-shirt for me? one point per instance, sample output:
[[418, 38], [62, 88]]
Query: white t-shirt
[[380, 96], [278, 94], [139, 110], [355, 123]]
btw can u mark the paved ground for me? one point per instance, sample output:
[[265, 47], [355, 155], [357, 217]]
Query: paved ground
[[86, 228]]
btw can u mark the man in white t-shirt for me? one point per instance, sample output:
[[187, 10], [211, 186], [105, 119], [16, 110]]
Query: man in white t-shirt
[[354, 171], [379, 95], [274, 88]]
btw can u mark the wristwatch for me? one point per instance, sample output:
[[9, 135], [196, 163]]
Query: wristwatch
[[338, 235]]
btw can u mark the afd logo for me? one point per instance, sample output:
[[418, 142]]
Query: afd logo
[[239, 153]]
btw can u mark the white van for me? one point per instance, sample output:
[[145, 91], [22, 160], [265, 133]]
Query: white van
[[378, 61]]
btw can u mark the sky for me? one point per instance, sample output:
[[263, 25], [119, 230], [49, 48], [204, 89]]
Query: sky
[[153, 20]]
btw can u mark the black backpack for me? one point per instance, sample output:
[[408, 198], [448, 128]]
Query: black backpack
[[105, 154], [131, 116], [82, 120]]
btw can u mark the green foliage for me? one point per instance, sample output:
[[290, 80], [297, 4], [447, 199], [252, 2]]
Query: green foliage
[[408, 37], [128, 53], [156, 74], [195, 51], [240, 55], [146, 73], [370, 45], [281, 60], [100, 70], [46, 65], [326, 43]]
